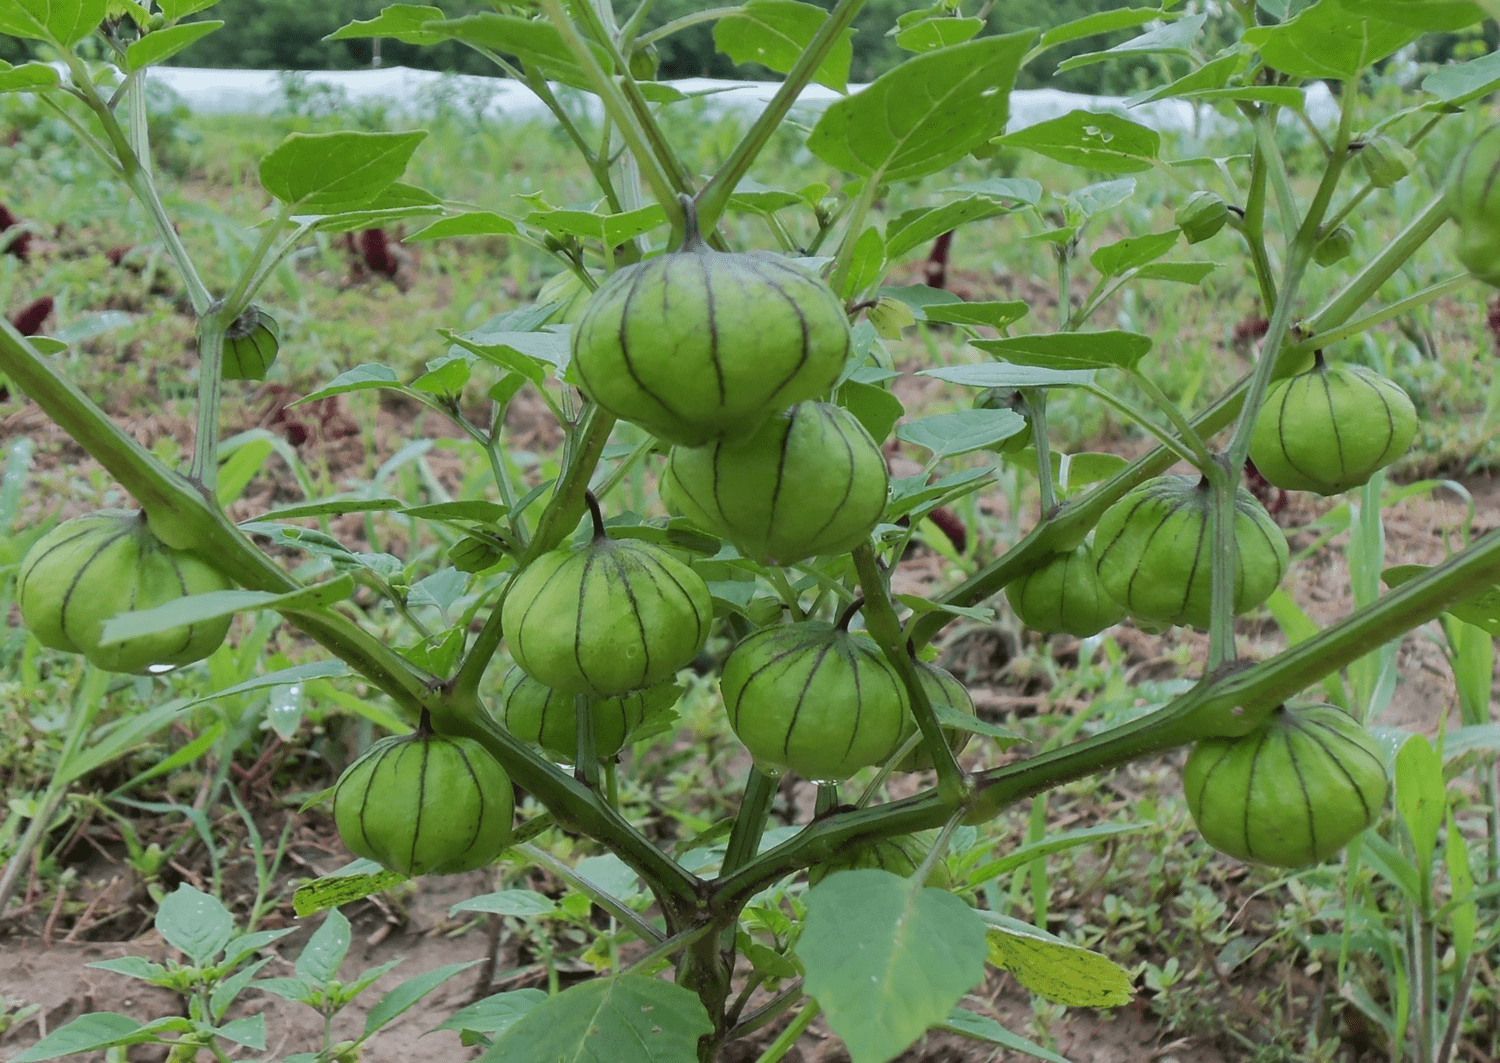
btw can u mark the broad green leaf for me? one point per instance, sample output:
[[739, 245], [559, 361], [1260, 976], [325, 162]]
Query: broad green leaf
[[248, 1030], [913, 228], [362, 377], [950, 717], [944, 31], [925, 114], [775, 33], [398, 202], [178, 9], [1484, 736], [1103, 142], [1017, 189], [470, 223], [1463, 83], [409, 992], [527, 353], [470, 509], [993, 314], [1007, 375], [196, 608], [400, 22], [910, 494], [1280, 95], [866, 262], [328, 173], [611, 229], [67, 21], [1461, 875], [88, 1033], [536, 43], [1175, 38], [622, 1019], [1420, 796], [522, 904], [164, 43], [873, 406], [1429, 16], [28, 77], [494, 1014], [1071, 351], [1176, 272], [320, 959], [1481, 608], [1133, 251], [1328, 41], [886, 961], [951, 434], [133, 967], [1101, 196], [1122, 18], [1214, 74], [195, 924], [330, 891], [1054, 969], [966, 1024]]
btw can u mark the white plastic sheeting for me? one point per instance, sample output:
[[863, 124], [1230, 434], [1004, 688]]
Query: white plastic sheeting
[[416, 92]]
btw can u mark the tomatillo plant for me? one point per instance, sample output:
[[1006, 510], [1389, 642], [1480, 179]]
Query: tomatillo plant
[[746, 365]]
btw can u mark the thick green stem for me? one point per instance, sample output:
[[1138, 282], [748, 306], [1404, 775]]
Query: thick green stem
[[1036, 407], [777, 1049], [205, 465], [1427, 295], [1225, 486], [750, 823], [884, 626], [715, 195]]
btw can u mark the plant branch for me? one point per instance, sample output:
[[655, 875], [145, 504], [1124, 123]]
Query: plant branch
[[596, 893]]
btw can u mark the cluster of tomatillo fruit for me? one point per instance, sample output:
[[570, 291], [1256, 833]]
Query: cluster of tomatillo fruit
[[726, 357]]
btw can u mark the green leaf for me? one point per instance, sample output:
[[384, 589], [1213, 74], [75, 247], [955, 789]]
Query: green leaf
[[87, 1033], [249, 1031], [330, 891], [1006, 375], [1103, 142], [196, 608], [1122, 18], [1463, 83], [950, 434], [28, 77], [910, 494], [925, 114], [1214, 74], [397, 202], [69, 21], [887, 961], [409, 992], [1328, 41], [966, 1024], [1101, 196], [494, 1014], [953, 719], [1420, 796], [401, 22], [622, 1019], [1054, 969], [164, 43], [523, 904], [320, 959], [610, 229], [1429, 16], [1052, 843], [470, 223], [944, 31], [1175, 38], [994, 314], [527, 353], [1281, 96], [775, 34], [1071, 351], [133, 967], [1481, 608], [1133, 251], [328, 173], [195, 924], [913, 228], [535, 43], [866, 262], [873, 406], [1176, 272], [178, 9]]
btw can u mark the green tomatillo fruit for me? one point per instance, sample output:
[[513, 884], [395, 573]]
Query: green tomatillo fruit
[[809, 481], [425, 804], [612, 616], [899, 856], [1008, 399], [250, 345], [1473, 199], [1290, 794], [1201, 216], [1330, 428], [1386, 160], [1152, 551], [89, 568], [536, 713], [1064, 595], [1334, 246], [942, 688], [814, 699], [700, 345]]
